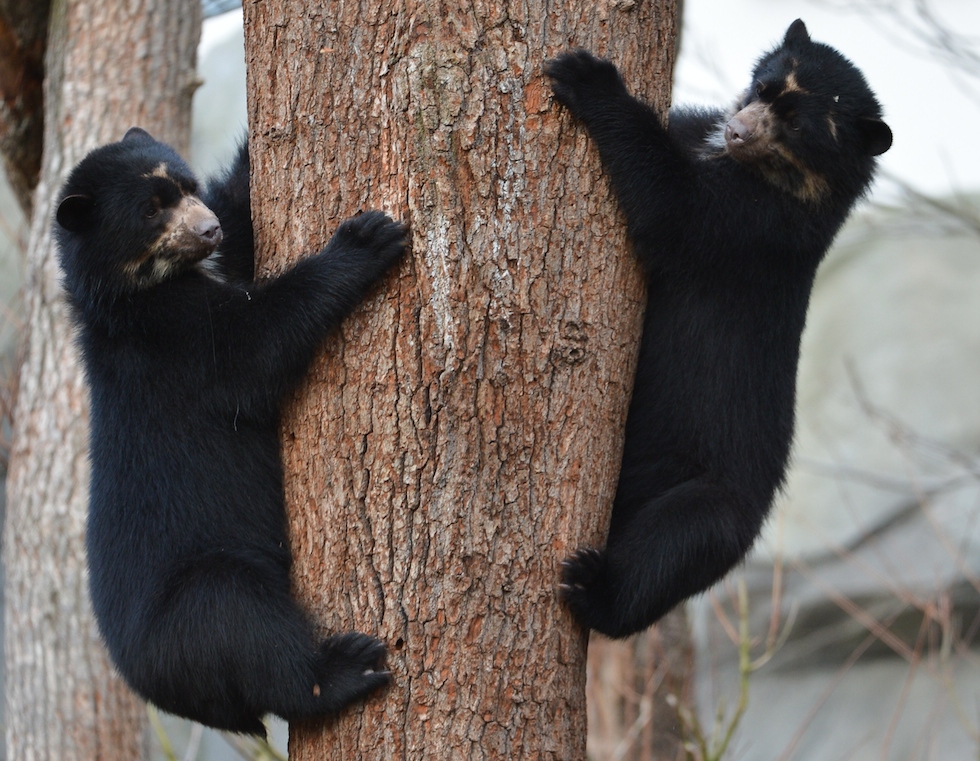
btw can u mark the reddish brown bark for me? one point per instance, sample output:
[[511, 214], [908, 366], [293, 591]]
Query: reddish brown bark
[[463, 434]]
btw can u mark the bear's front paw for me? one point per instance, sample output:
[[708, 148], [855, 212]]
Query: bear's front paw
[[578, 78], [372, 236], [350, 667]]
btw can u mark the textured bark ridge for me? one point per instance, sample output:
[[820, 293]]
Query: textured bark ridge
[[463, 434], [108, 66]]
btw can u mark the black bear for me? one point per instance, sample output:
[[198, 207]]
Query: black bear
[[187, 361], [730, 214]]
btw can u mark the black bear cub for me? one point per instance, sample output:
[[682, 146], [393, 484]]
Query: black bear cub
[[187, 361], [730, 213]]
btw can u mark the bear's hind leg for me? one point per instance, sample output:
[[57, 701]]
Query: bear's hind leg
[[672, 547], [231, 646]]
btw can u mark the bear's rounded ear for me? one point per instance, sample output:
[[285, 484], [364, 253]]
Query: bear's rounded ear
[[136, 133], [877, 136], [796, 35], [75, 211]]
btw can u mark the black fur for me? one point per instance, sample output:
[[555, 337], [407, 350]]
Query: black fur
[[730, 214], [187, 364]]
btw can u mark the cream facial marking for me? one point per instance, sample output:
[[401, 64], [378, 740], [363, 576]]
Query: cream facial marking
[[160, 170], [191, 233], [792, 85]]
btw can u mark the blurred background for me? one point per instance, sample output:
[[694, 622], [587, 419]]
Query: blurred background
[[852, 632]]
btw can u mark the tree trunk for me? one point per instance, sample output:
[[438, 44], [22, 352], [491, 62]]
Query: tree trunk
[[464, 432], [23, 35], [635, 688], [109, 66]]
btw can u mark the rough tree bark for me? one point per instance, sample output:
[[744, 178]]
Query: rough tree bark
[[463, 434], [108, 66]]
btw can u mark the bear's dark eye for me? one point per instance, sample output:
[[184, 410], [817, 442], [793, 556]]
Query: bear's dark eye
[[759, 88], [151, 209]]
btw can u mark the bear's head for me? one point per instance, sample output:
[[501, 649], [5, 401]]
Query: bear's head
[[129, 218], [809, 123]]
